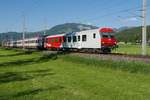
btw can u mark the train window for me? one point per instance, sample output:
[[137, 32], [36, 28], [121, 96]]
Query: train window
[[83, 37], [52, 40], [69, 39], [105, 35], [57, 39], [74, 39], [94, 35], [112, 36], [37, 41], [79, 38]]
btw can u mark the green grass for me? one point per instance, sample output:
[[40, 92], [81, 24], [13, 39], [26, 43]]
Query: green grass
[[131, 49], [65, 77]]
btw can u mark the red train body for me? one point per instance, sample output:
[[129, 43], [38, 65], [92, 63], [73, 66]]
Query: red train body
[[54, 42]]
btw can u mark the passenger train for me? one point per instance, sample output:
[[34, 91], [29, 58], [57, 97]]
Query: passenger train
[[95, 40]]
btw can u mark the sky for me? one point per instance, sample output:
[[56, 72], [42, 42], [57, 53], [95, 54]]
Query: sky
[[41, 13]]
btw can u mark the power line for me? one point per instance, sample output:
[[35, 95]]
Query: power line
[[117, 12]]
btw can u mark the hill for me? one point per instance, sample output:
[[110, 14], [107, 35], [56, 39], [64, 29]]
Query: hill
[[63, 28], [125, 34], [132, 34], [69, 27]]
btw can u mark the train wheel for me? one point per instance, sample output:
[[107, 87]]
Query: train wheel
[[106, 51]]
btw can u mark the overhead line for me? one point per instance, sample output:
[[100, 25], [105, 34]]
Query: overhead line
[[112, 13]]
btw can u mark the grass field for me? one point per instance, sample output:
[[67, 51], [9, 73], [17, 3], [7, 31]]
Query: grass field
[[131, 49], [64, 77]]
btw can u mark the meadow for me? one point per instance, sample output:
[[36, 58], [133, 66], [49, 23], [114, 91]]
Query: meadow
[[36, 76], [131, 49]]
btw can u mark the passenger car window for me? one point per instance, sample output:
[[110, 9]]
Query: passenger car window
[[79, 38], [69, 39], [57, 39], [52, 40], [84, 38], [94, 35], [74, 39]]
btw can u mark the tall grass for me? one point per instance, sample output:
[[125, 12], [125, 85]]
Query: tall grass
[[37, 76], [132, 67]]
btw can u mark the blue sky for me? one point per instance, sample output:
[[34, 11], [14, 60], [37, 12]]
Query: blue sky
[[110, 13]]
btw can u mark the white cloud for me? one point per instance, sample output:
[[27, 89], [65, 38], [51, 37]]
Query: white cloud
[[88, 23], [132, 19]]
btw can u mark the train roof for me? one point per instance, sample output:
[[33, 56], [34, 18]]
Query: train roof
[[55, 35], [106, 30], [35, 38], [102, 30], [27, 39]]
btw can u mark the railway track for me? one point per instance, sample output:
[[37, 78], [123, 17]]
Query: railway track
[[114, 56], [110, 56]]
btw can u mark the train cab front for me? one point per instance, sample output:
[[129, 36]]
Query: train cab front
[[108, 41]]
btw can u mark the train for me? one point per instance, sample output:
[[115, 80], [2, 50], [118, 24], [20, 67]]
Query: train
[[94, 40]]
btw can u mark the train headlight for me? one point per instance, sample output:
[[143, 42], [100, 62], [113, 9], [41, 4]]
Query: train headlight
[[103, 42]]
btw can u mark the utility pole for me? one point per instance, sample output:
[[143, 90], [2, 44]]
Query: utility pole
[[144, 16], [23, 33]]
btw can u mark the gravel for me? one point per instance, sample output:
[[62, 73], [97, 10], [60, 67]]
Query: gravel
[[114, 57]]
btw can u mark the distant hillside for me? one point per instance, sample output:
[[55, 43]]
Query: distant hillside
[[69, 27], [125, 34], [10, 35], [63, 28], [123, 28], [132, 34]]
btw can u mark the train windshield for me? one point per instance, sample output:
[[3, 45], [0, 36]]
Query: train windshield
[[107, 35]]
